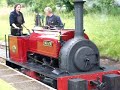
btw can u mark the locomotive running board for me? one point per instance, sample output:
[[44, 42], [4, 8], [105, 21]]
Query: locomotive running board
[[42, 70]]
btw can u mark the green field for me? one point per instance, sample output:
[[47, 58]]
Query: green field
[[104, 30]]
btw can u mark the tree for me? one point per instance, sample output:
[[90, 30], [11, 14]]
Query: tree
[[36, 5], [12, 2], [106, 4], [69, 4], [39, 5]]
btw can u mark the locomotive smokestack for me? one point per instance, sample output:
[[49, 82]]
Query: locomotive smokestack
[[78, 5]]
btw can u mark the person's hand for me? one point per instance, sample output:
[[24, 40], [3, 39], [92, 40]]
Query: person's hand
[[47, 27], [17, 28]]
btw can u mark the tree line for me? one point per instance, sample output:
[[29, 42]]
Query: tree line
[[91, 6]]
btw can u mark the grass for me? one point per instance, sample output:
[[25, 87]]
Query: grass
[[5, 86], [103, 30]]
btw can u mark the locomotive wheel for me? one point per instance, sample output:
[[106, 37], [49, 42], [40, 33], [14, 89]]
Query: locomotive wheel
[[79, 55]]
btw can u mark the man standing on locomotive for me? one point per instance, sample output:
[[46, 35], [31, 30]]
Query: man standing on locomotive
[[51, 19], [16, 20]]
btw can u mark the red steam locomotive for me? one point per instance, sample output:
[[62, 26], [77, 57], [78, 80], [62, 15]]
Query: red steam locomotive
[[64, 59]]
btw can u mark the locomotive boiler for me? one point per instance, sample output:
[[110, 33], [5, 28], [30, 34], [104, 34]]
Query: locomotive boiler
[[65, 59]]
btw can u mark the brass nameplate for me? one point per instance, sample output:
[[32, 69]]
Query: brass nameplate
[[48, 43]]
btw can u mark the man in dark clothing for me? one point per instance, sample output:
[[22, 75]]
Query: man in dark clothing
[[51, 19], [16, 20]]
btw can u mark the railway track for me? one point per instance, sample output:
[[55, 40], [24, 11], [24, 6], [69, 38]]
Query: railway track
[[17, 79]]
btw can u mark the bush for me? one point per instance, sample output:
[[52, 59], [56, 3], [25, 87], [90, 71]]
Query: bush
[[91, 6]]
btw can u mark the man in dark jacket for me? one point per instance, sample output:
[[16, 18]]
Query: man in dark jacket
[[16, 20], [51, 19]]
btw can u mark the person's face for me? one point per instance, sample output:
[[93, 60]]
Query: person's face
[[18, 8], [47, 13]]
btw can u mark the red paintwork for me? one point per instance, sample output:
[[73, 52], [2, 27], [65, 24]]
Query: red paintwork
[[38, 37], [62, 82], [35, 43], [31, 74], [18, 48], [86, 36]]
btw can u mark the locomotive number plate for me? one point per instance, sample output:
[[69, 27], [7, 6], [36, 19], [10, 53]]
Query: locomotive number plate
[[48, 43]]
